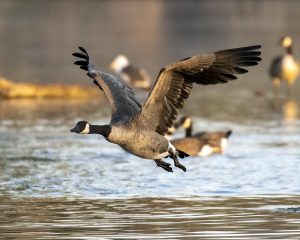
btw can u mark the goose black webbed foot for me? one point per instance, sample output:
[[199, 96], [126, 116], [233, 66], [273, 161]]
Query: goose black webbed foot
[[177, 163], [164, 165]]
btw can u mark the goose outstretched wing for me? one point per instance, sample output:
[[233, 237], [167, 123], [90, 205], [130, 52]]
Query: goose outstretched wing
[[120, 96], [175, 81]]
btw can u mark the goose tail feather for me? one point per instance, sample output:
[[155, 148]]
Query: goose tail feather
[[228, 133]]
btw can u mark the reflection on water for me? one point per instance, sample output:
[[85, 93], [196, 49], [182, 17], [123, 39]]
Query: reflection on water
[[150, 218], [290, 110], [287, 109]]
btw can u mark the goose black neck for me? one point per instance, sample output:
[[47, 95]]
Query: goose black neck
[[189, 130], [289, 49], [104, 130]]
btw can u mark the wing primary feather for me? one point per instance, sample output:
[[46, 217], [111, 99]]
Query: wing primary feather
[[80, 63], [239, 70], [175, 81], [83, 50], [84, 68], [241, 49], [247, 64], [120, 96], [80, 55]]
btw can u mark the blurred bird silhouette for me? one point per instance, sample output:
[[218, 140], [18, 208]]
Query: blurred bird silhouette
[[199, 144], [134, 76], [285, 67]]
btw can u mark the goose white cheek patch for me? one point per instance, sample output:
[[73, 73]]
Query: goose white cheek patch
[[86, 130]]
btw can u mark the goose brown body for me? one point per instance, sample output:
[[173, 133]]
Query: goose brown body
[[136, 139], [199, 144], [140, 129], [193, 146]]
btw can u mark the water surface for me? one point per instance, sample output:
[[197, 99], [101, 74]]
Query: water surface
[[151, 218], [55, 184]]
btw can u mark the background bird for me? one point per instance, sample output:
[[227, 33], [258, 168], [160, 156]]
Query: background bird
[[136, 77], [285, 67], [202, 143]]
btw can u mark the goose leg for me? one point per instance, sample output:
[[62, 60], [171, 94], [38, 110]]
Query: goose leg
[[177, 163], [289, 91], [164, 165], [276, 87]]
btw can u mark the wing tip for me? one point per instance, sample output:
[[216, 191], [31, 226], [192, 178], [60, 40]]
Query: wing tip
[[250, 49], [82, 49]]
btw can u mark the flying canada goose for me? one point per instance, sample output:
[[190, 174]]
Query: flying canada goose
[[140, 129], [285, 67], [202, 143], [134, 76]]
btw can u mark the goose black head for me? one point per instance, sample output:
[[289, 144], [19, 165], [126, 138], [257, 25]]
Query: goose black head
[[185, 122], [82, 127]]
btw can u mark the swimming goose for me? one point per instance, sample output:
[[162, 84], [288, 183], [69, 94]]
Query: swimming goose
[[134, 76], [202, 143], [285, 67], [140, 129]]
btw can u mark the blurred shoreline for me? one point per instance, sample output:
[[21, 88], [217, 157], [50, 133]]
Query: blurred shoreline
[[13, 90]]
